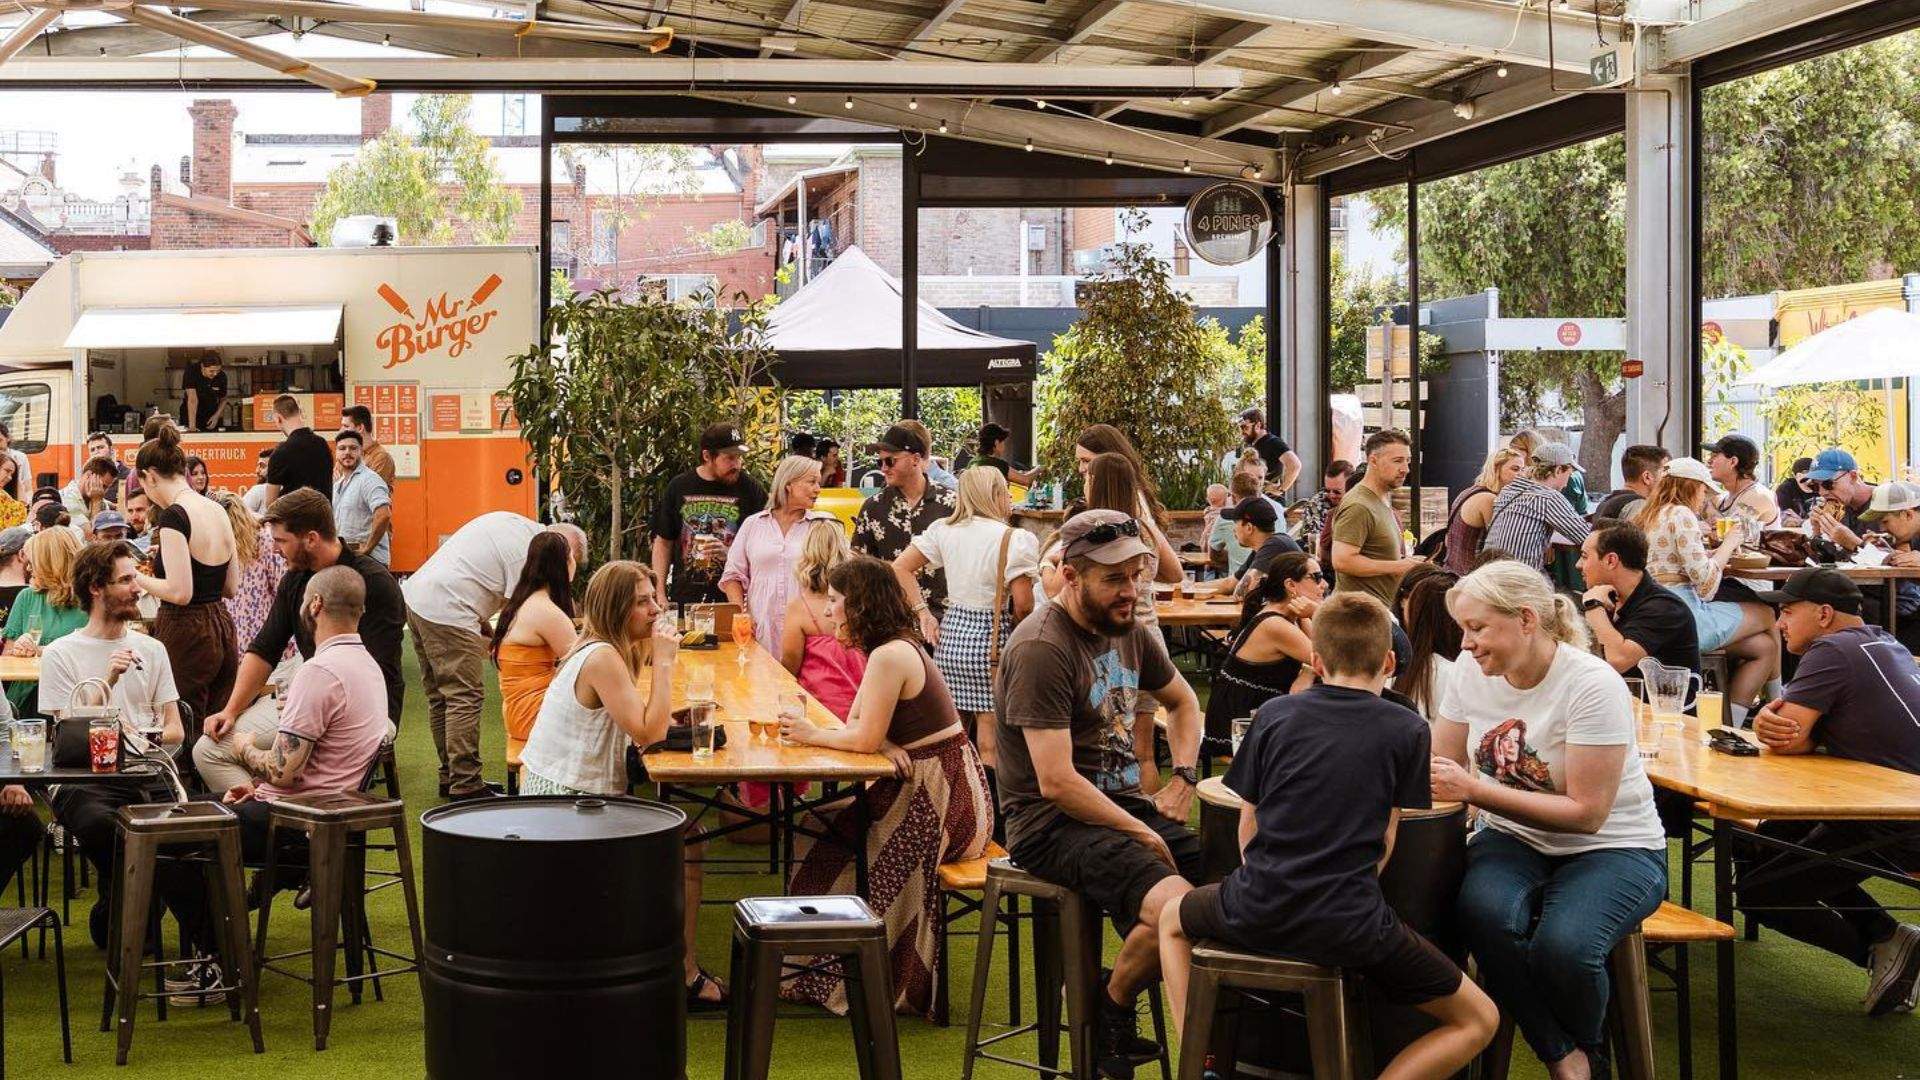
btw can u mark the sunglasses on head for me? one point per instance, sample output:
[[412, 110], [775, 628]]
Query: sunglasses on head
[[1113, 530]]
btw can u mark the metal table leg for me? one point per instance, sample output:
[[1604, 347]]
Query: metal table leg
[[1723, 950]]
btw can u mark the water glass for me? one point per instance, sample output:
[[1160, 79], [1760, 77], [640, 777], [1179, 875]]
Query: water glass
[[792, 709], [700, 683], [1241, 725], [1712, 706], [702, 619], [701, 716], [30, 744]]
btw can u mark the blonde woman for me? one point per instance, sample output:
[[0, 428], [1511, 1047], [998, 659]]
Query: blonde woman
[[1472, 510], [46, 610], [968, 546], [811, 645], [595, 707], [1677, 557], [759, 572], [1538, 733]]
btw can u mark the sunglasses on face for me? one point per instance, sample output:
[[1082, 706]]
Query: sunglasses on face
[[1824, 485]]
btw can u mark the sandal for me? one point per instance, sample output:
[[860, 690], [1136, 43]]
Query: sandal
[[696, 1002]]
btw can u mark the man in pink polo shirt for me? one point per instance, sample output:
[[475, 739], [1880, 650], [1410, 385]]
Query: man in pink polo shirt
[[334, 717]]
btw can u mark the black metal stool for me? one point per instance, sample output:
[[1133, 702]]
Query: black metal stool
[[335, 825], [15, 923], [144, 830], [1066, 956], [961, 884], [766, 930], [1338, 1045]]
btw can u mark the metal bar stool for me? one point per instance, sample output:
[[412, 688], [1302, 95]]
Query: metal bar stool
[[960, 887], [843, 929], [15, 923], [1066, 956], [145, 830], [1629, 1015], [335, 825], [1338, 1043]]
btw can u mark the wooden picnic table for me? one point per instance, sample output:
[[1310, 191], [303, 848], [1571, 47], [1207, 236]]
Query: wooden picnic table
[[1864, 576], [1807, 787], [19, 668], [1219, 613], [751, 689]]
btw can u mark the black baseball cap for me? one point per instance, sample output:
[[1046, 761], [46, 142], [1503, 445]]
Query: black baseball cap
[[1818, 585], [1741, 449], [899, 439], [723, 439], [1255, 510]]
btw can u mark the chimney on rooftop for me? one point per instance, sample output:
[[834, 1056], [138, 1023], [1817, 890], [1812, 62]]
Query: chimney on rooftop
[[186, 171], [376, 116], [212, 170]]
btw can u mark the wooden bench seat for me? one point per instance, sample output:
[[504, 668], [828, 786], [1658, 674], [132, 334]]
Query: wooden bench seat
[[1673, 924], [970, 875]]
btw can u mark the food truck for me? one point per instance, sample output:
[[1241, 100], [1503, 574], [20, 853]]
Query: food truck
[[421, 336]]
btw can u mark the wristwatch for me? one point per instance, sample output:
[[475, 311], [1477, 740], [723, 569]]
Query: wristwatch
[[1188, 773], [1593, 605]]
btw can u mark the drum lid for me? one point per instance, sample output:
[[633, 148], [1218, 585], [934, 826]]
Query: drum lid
[[1215, 792], [566, 818]]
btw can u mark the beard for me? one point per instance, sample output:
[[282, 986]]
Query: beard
[[1106, 622]]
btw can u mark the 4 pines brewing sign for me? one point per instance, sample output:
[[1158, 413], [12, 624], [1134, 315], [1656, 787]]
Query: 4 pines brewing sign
[[1228, 223]]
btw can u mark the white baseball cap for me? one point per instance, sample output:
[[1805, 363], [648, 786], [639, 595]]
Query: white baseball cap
[[1687, 468], [1891, 498]]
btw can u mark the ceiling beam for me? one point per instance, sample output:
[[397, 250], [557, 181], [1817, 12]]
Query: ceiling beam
[[1425, 121], [1048, 129], [1460, 27], [1293, 96], [789, 22], [1088, 25], [930, 25], [341, 84], [1724, 24], [125, 39], [1217, 50], [22, 35], [1062, 81]]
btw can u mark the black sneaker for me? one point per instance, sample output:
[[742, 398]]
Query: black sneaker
[[1138, 1050], [484, 791], [197, 987]]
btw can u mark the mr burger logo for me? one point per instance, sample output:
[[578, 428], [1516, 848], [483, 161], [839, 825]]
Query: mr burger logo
[[448, 323]]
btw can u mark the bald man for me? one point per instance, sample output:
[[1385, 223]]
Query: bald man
[[450, 601]]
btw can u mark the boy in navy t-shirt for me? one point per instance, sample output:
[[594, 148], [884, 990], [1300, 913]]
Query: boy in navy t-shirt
[[1322, 776]]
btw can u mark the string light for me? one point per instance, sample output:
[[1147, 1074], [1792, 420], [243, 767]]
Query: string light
[[1040, 102], [849, 102], [943, 127], [913, 103], [1500, 72], [1336, 89], [386, 40], [1186, 166], [1029, 146], [1109, 158], [792, 100]]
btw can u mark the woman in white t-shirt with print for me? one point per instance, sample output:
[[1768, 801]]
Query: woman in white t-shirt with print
[[967, 546], [1569, 857]]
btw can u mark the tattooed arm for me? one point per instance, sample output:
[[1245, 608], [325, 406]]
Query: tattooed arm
[[280, 765]]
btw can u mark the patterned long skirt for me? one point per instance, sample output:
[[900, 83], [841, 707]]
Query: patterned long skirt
[[939, 812]]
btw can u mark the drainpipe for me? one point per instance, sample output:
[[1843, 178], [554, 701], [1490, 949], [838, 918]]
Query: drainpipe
[[1910, 292]]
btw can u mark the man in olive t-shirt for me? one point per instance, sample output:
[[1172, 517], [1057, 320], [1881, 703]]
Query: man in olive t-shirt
[[1070, 685], [1366, 535]]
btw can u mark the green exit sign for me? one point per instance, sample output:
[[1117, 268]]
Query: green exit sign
[[1611, 65]]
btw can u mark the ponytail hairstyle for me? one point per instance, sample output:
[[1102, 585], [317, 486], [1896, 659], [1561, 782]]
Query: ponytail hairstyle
[[161, 452], [1510, 587], [546, 570], [1286, 568]]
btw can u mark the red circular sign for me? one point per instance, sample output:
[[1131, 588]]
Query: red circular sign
[[1568, 334]]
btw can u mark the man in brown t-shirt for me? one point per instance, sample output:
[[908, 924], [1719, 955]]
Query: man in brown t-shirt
[[1366, 535], [1069, 783]]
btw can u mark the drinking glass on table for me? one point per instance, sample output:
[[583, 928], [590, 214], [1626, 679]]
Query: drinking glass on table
[[792, 709], [700, 683], [30, 744], [701, 716], [1241, 725], [742, 634]]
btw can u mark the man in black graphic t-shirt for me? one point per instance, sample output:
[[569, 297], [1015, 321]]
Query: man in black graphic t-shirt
[[697, 518]]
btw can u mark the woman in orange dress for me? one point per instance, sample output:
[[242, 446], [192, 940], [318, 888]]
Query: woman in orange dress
[[534, 630]]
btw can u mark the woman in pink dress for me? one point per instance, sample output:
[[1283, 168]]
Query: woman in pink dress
[[759, 572], [810, 644]]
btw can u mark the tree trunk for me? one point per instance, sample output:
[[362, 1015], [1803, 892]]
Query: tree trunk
[[613, 535], [1603, 416]]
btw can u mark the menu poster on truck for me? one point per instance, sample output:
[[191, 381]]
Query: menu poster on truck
[[470, 412], [396, 421]]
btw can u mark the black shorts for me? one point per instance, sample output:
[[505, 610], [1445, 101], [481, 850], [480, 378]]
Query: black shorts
[[1410, 970], [1106, 866]]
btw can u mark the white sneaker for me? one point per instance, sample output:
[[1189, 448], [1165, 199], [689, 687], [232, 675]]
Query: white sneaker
[[196, 988], [1893, 972]]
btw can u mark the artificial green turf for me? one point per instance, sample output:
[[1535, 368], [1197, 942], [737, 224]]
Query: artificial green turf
[[1799, 1007]]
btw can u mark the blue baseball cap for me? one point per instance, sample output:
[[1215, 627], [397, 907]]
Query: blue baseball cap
[[1831, 463]]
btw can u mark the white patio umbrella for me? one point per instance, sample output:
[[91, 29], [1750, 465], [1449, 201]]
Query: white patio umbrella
[[1882, 344]]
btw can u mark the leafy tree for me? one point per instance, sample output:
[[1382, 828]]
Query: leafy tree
[[427, 182], [9, 296], [1138, 360], [612, 404], [855, 418], [1357, 304], [1549, 232], [1801, 420], [633, 179]]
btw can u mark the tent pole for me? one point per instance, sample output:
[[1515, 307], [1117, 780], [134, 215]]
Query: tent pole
[[909, 281]]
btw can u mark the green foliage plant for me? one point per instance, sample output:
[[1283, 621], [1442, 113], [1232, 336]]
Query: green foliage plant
[[427, 182]]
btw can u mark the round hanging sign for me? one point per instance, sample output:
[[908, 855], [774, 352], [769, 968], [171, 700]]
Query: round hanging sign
[[1228, 223]]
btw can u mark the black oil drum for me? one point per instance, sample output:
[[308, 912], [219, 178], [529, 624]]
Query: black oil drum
[[553, 938], [1219, 829]]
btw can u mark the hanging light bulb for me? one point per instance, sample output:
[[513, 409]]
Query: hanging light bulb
[[386, 40], [1109, 157], [913, 103], [1029, 146], [943, 127], [1500, 72], [792, 100], [1186, 166], [1336, 89], [849, 102], [1040, 103]]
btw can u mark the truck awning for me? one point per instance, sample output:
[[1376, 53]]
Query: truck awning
[[205, 327]]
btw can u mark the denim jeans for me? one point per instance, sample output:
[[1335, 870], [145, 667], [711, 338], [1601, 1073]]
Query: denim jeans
[[1541, 927]]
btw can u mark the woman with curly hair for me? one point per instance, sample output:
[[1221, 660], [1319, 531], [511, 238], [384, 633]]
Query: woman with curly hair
[[933, 810]]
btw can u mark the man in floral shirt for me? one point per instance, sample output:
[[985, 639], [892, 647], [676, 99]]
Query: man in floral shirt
[[905, 508]]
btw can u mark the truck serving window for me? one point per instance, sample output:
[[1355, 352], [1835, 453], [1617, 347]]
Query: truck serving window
[[26, 408]]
